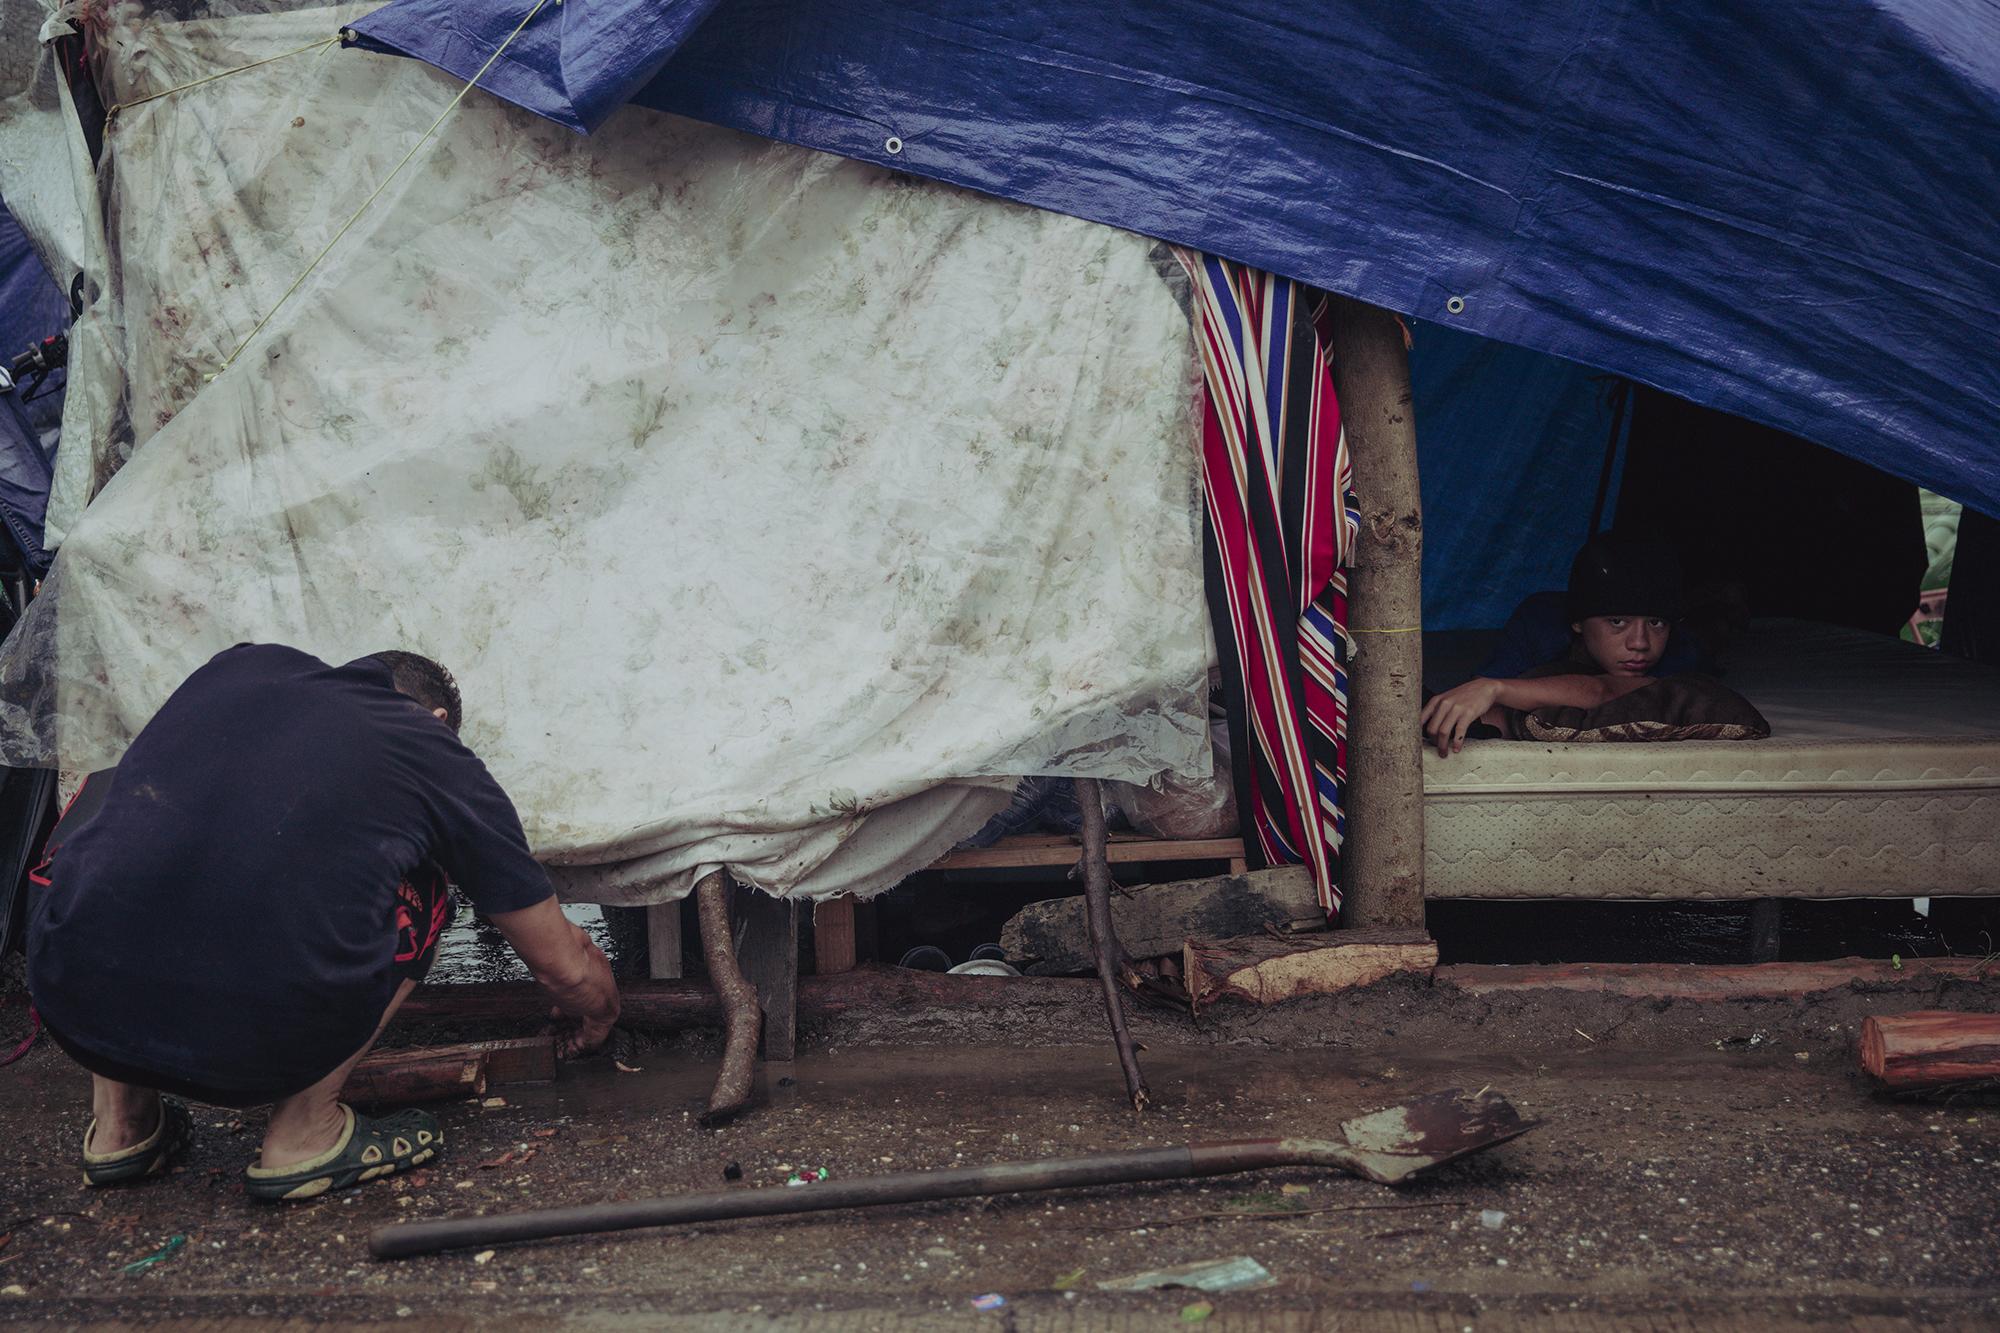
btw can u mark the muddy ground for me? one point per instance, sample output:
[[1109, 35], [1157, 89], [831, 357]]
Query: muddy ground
[[1699, 1166]]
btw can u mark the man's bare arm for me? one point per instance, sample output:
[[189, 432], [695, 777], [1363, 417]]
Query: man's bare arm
[[570, 967]]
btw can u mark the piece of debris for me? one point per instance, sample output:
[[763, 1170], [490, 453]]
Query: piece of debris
[[1241, 1273], [624, 1068], [810, 1175], [992, 1300], [1069, 1281], [493, 1103], [1198, 1311], [732, 1171], [159, 1256], [1740, 1043], [494, 1164], [483, 1257], [545, 1133], [1294, 1189], [13, 1289], [1492, 1218]]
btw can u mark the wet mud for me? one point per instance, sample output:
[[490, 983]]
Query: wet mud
[[1683, 1171]]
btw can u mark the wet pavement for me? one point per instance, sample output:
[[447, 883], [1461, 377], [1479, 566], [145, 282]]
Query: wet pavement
[[1675, 1182]]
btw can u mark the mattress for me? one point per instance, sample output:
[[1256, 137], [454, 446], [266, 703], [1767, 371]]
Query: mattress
[[1881, 777]]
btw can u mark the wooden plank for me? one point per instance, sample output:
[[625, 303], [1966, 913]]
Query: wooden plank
[[833, 935], [767, 949], [1011, 853], [1265, 971], [433, 1075], [1932, 1051], [1052, 937], [516, 1059], [663, 940]]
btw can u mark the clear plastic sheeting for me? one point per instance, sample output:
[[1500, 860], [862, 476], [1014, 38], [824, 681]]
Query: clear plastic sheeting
[[758, 498]]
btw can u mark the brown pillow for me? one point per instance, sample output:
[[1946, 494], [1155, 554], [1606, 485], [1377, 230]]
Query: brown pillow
[[1678, 708]]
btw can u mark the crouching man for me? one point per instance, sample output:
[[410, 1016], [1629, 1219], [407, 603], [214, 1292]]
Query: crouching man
[[234, 912]]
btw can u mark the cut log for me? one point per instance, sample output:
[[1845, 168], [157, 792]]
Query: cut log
[[1053, 936], [1266, 971], [1932, 1051]]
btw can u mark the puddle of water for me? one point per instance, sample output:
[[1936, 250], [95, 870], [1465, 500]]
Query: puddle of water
[[472, 950]]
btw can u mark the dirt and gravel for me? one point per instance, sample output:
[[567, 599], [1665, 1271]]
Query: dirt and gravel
[[1698, 1166]]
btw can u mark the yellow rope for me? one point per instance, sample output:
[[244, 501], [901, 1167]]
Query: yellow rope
[[221, 74], [367, 203]]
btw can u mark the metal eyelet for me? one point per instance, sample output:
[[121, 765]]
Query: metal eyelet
[[1456, 305], [894, 146]]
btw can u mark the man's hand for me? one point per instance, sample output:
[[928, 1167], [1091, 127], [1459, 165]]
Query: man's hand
[[571, 968], [1448, 716], [588, 1015]]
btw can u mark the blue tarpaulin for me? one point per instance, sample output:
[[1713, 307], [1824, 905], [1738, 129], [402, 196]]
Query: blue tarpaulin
[[1782, 210]]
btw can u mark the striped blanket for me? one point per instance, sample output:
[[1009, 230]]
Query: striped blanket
[[1279, 538]]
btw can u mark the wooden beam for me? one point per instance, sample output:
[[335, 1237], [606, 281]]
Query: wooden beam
[[869, 987], [833, 935], [1932, 1051], [1056, 850], [1383, 859], [769, 953]]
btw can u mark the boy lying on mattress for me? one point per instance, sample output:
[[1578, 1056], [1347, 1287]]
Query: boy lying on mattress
[[1624, 597]]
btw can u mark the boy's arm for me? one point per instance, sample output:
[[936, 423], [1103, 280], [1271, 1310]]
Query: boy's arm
[[1448, 716]]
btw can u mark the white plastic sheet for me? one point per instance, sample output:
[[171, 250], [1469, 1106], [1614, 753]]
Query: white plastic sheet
[[750, 492]]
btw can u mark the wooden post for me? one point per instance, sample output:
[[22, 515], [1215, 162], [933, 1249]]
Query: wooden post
[[663, 940], [833, 935], [1383, 860], [769, 953]]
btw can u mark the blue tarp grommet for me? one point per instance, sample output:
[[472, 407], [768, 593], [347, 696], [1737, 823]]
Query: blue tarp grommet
[[893, 146], [1456, 305]]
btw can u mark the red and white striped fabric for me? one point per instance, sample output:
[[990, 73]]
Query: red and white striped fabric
[[1280, 537]]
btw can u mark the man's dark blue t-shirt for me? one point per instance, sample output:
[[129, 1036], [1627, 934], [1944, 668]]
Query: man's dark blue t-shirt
[[226, 915]]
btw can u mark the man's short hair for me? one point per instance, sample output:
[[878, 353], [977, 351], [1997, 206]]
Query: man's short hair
[[425, 681]]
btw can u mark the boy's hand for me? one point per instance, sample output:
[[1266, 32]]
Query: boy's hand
[[1448, 716]]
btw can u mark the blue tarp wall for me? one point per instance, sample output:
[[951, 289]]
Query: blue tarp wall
[[32, 307]]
